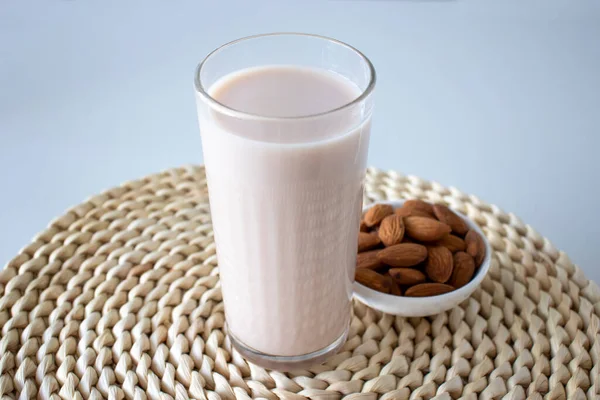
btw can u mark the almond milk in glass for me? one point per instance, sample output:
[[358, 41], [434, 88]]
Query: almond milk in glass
[[285, 123]]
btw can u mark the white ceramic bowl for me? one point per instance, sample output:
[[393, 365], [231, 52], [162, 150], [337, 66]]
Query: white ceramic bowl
[[423, 306]]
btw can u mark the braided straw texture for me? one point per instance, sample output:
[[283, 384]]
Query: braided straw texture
[[120, 298]]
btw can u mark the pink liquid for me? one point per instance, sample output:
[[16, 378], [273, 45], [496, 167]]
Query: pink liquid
[[286, 197]]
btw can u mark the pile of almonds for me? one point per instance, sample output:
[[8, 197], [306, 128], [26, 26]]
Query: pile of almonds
[[417, 250]]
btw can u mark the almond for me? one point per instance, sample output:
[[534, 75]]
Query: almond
[[373, 280], [439, 264], [408, 212], [452, 243], [394, 288], [367, 241], [402, 255], [425, 229], [363, 226], [464, 268], [423, 206], [377, 213], [428, 289], [447, 216], [368, 260], [407, 276], [391, 230], [475, 247]]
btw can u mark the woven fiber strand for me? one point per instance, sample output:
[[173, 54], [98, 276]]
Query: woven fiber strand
[[120, 298]]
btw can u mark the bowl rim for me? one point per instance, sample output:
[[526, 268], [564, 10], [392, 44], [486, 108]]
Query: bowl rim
[[464, 291]]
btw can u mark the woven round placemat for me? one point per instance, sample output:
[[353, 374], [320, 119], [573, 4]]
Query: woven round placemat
[[120, 298]]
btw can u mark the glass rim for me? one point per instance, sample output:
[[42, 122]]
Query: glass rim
[[247, 115]]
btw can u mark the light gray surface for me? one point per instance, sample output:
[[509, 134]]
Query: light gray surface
[[500, 99]]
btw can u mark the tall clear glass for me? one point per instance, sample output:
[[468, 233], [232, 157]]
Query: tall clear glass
[[285, 190]]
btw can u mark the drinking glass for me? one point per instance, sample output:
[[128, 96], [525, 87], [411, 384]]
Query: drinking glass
[[285, 194]]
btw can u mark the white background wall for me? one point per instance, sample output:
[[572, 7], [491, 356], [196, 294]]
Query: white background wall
[[498, 98]]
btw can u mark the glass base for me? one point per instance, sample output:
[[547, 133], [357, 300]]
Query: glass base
[[289, 363]]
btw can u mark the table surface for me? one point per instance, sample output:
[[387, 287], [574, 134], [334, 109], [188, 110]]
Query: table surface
[[499, 99]]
